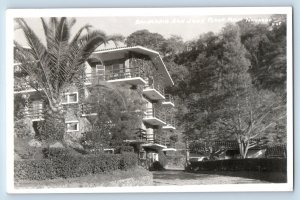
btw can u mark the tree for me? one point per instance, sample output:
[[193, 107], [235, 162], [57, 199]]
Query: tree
[[221, 101], [119, 114], [145, 38], [56, 64], [266, 44]]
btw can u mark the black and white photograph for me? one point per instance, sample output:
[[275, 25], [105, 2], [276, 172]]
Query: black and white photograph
[[149, 100]]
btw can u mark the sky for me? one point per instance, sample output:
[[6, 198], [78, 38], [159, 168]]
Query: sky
[[188, 27]]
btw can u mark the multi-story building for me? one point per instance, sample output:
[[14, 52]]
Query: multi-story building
[[131, 67]]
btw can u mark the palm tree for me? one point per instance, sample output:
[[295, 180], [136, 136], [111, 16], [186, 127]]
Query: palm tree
[[56, 64]]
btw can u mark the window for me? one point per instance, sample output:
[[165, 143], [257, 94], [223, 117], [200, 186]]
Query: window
[[73, 98], [69, 98], [72, 126]]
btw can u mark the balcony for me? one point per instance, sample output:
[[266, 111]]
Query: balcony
[[156, 141], [169, 100], [22, 86], [35, 114], [170, 123], [132, 76], [154, 91], [155, 117]]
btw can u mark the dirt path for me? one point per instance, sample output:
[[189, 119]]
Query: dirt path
[[179, 177]]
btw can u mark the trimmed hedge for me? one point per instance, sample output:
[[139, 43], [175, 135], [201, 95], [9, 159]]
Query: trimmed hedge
[[123, 149], [65, 165], [34, 169], [267, 165]]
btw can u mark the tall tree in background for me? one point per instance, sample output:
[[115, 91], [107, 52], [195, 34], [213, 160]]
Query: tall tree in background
[[222, 102], [266, 44], [146, 39], [56, 64]]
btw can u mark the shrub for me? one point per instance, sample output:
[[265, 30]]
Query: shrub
[[56, 152], [22, 128], [24, 151], [268, 165], [62, 163], [163, 160], [123, 149], [128, 160], [156, 166], [34, 169]]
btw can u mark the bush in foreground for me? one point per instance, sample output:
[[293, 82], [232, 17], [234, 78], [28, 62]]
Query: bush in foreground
[[65, 165]]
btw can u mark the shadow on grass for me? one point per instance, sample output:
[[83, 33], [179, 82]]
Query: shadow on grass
[[272, 177]]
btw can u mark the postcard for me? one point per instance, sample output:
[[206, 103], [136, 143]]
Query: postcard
[[116, 100]]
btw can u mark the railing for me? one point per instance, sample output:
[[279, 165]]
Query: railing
[[155, 138], [155, 113], [158, 139], [169, 98], [155, 86], [123, 73], [21, 85], [170, 121], [33, 113]]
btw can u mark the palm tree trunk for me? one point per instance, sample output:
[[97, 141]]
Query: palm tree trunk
[[53, 128]]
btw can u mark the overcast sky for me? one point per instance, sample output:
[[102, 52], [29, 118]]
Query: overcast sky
[[188, 27]]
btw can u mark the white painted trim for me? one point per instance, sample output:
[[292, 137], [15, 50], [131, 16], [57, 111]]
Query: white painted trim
[[71, 122], [151, 89], [126, 79], [68, 98]]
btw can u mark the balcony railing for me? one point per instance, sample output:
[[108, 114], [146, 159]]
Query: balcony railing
[[155, 117], [169, 100], [33, 113], [155, 138], [123, 74], [23, 85], [154, 91], [170, 123]]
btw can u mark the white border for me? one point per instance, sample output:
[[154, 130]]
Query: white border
[[95, 12]]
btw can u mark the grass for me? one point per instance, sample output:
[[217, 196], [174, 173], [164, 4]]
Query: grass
[[133, 177], [179, 177]]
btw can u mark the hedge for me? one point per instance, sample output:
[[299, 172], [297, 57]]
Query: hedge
[[67, 166], [255, 164]]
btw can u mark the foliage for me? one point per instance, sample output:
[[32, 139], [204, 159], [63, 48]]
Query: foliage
[[266, 45], [22, 128], [68, 166], [33, 170], [51, 129], [219, 98], [119, 113], [163, 160], [156, 166], [146, 39], [124, 149], [94, 141], [24, 151]]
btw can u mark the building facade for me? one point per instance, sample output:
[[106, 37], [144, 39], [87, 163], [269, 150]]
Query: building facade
[[129, 67]]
